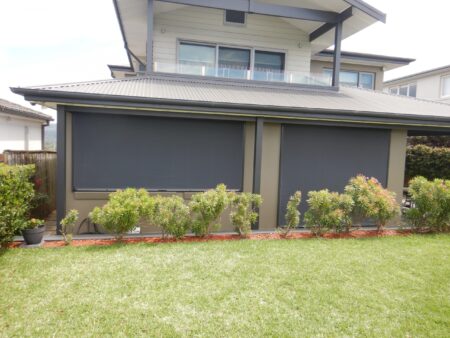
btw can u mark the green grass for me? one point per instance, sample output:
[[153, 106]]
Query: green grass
[[387, 287]]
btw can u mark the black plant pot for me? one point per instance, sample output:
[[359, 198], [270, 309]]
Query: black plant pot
[[33, 236]]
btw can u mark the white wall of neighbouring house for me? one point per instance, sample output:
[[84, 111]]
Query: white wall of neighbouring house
[[19, 133], [206, 25]]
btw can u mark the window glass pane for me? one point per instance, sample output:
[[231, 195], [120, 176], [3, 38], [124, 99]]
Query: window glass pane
[[234, 62], [393, 91], [268, 66], [349, 78], [412, 90], [403, 91], [196, 59], [446, 86], [328, 76], [366, 80]]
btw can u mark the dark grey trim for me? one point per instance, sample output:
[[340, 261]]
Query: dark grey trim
[[149, 60], [60, 167], [250, 6], [329, 26], [366, 57], [120, 68], [271, 112], [257, 157], [368, 9], [257, 162], [122, 31], [337, 55]]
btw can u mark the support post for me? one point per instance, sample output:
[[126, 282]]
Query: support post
[[60, 167], [257, 161], [337, 54], [149, 67]]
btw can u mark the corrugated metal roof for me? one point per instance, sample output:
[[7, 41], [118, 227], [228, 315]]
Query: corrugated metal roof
[[197, 89], [18, 110]]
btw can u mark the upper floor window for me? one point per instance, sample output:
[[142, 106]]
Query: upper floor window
[[353, 78], [196, 58], [445, 86], [404, 90], [235, 17], [231, 62]]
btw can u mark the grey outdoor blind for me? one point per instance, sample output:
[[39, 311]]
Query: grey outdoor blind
[[119, 151]]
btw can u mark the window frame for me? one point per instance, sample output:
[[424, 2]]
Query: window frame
[[408, 89], [445, 78], [358, 85], [217, 45]]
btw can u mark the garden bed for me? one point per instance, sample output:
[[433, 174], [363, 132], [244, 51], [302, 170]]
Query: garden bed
[[89, 241]]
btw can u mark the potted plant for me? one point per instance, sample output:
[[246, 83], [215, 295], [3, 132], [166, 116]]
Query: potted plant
[[33, 231]]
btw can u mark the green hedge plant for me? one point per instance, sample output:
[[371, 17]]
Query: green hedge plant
[[172, 215], [371, 200], [16, 195], [122, 212], [431, 205], [328, 211], [292, 216], [429, 162], [244, 211], [207, 207]]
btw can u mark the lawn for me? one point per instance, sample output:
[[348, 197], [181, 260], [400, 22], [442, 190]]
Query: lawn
[[379, 287]]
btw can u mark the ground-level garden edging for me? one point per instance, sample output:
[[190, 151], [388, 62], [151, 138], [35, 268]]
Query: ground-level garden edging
[[92, 241]]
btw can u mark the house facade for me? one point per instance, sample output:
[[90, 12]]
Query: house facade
[[231, 92], [21, 128], [433, 84]]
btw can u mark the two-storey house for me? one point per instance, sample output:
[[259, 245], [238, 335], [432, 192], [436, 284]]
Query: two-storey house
[[433, 84], [227, 92]]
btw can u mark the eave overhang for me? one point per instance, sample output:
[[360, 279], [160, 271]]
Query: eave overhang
[[148, 106]]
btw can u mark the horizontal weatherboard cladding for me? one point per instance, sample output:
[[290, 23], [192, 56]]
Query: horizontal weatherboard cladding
[[166, 154], [317, 157]]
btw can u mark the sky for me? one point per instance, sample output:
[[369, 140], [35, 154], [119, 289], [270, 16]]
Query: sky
[[57, 41]]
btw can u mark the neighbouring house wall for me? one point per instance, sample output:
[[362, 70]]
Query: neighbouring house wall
[[207, 25], [19, 134], [428, 88], [319, 66], [84, 202]]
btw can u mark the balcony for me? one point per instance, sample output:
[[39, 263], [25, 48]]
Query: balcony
[[236, 73]]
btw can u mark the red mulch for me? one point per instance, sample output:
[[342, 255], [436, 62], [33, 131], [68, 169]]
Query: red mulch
[[222, 237]]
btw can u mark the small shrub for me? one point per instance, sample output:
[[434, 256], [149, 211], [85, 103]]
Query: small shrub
[[431, 205], [371, 200], [68, 224], [244, 214], [172, 215], [16, 195], [122, 212], [327, 211], [207, 208], [292, 215]]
